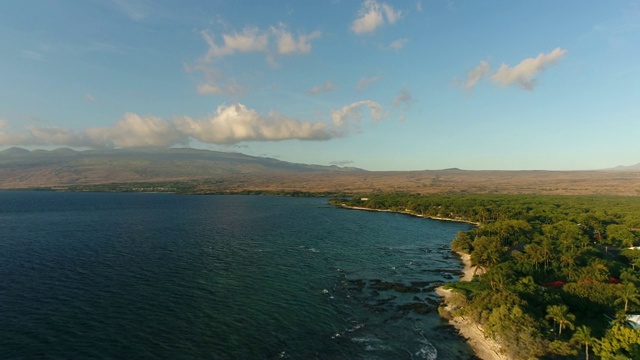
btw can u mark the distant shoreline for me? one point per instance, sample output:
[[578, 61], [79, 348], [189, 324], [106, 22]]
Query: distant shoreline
[[411, 214]]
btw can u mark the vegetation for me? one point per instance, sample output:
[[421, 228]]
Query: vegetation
[[554, 274]]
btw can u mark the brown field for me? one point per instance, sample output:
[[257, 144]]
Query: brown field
[[442, 181]]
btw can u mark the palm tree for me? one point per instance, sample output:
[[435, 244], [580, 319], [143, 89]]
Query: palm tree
[[561, 315], [535, 254], [582, 336], [628, 292]]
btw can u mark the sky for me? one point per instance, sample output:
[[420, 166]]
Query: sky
[[378, 85]]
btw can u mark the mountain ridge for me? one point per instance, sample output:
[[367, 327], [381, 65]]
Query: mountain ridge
[[206, 171]]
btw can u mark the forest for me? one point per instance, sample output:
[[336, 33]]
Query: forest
[[556, 277]]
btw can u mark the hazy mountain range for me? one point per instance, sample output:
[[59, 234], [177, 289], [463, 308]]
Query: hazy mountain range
[[211, 171]]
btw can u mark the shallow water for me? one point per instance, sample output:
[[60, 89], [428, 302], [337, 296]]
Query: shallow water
[[148, 276]]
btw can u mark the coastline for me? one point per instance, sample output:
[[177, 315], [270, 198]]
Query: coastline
[[485, 348], [407, 212]]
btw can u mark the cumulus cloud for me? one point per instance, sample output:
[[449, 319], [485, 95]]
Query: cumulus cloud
[[228, 125], [367, 81], [138, 131], [474, 76], [373, 15], [524, 73], [235, 123], [58, 136], [131, 131], [326, 86], [88, 97]]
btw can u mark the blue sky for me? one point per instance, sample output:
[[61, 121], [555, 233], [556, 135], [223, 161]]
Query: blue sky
[[380, 85]]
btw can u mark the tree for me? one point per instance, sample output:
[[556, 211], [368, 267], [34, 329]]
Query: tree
[[628, 293], [535, 254], [462, 243], [582, 336], [619, 234], [561, 316], [596, 270], [486, 253], [620, 342]]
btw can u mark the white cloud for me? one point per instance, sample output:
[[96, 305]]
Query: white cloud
[[347, 118], [367, 81], [227, 126], [251, 39], [14, 140], [391, 14], [474, 76], [372, 15], [137, 131], [88, 97], [398, 44], [326, 86], [131, 131], [276, 40], [524, 73], [57, 136], [287, 43], [236, 123]]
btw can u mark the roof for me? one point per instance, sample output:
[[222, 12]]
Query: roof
[[634, 321]]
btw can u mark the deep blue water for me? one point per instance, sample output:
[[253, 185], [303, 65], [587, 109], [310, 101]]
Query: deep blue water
[[163, 276]]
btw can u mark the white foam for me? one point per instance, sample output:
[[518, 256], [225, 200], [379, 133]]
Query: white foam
[[427, 351]]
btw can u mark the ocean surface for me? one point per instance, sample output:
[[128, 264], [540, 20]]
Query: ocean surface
[[164, 276]]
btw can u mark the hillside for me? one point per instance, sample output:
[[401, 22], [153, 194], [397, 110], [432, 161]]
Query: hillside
[[200, 171]]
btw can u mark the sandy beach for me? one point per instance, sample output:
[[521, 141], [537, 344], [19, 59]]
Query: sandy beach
[[485, 348]]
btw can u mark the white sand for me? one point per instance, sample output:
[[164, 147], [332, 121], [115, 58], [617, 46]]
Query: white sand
[[484, 347]]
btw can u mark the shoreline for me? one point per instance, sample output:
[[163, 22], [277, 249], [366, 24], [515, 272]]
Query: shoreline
[[485, 348], [406, 212]]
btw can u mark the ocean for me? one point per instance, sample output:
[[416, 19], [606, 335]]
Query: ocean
[[165, 276]]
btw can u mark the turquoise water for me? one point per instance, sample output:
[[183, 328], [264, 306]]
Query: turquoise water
[[151, 276]]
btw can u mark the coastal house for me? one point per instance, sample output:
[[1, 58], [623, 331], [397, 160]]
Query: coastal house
[[634, 321]]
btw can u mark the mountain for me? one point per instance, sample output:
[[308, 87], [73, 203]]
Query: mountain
[[635, 167], [204, 171], [20, 168]]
